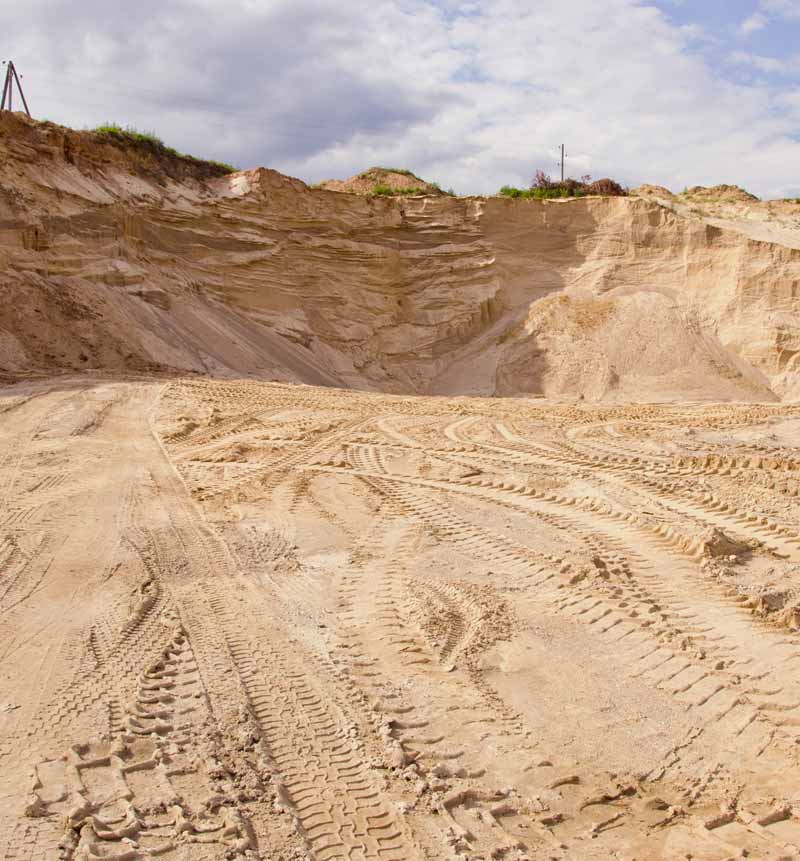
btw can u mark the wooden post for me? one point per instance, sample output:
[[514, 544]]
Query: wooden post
[[5, 89], [8, 89], [19, 87]]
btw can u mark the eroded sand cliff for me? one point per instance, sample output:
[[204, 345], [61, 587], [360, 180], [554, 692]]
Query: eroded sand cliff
[[115, 259]]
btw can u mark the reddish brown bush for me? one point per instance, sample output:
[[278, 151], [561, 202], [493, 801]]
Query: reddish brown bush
[[606, 187]]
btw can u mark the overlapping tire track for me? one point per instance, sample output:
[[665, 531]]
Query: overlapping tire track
[[746, 716], [334, 799], [358, 694]]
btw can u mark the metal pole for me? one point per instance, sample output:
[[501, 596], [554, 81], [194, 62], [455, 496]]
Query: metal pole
[[5, 88], [19, 87], [562, 164]]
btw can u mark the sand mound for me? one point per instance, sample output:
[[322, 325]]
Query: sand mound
[[140, 261], [648, 190], [382, 180], [725, 193]]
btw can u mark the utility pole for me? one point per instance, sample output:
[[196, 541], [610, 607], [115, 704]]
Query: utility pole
[[8, 88], [563, 156]]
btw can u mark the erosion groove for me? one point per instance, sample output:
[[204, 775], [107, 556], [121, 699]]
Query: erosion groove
[[249, 620]]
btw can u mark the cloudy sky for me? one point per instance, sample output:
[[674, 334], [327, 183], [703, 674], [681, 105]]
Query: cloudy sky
[[473, 95]]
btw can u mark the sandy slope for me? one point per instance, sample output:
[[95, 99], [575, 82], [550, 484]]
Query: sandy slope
[[243, 620], [112, 259]]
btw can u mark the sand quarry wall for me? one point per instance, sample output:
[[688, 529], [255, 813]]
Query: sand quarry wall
[[125, 259]]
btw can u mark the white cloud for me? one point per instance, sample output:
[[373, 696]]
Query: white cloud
[[767, 65], [473, 96], [755, 22], [782, 8]]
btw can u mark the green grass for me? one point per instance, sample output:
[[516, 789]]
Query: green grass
[[401, 170], [129, 134], [380, 190], [536, 193]]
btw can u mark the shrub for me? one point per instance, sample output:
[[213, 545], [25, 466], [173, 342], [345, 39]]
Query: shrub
[[536, 193], [543, 188], [541, 180], [607, 187], [510, 191]]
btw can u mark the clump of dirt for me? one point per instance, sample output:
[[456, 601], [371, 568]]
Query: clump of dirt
[[714, 543], [388, 181]]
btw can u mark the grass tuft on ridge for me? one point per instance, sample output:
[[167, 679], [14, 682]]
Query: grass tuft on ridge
[[130, 134]]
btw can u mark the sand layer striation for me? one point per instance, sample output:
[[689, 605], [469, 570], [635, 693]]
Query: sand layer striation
[[113, 258]]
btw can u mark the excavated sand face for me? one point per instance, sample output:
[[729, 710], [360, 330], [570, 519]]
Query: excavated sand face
[[258, 621], [115, 259]]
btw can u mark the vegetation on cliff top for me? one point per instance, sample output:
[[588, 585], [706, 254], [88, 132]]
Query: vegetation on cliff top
[[381, 190], [543, 188], [131, 135]]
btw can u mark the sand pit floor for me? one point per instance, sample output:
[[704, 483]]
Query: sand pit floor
[[244, 620]]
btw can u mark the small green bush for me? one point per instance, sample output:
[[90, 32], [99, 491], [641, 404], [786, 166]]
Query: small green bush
[[537, 193], [514, 193]]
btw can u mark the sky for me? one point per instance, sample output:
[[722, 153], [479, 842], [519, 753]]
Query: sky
[[473, 95]]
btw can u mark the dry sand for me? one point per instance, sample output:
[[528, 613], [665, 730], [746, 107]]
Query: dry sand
[[243, 619], [250, 620]]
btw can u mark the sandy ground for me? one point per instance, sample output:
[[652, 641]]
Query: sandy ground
[[251, 620]]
